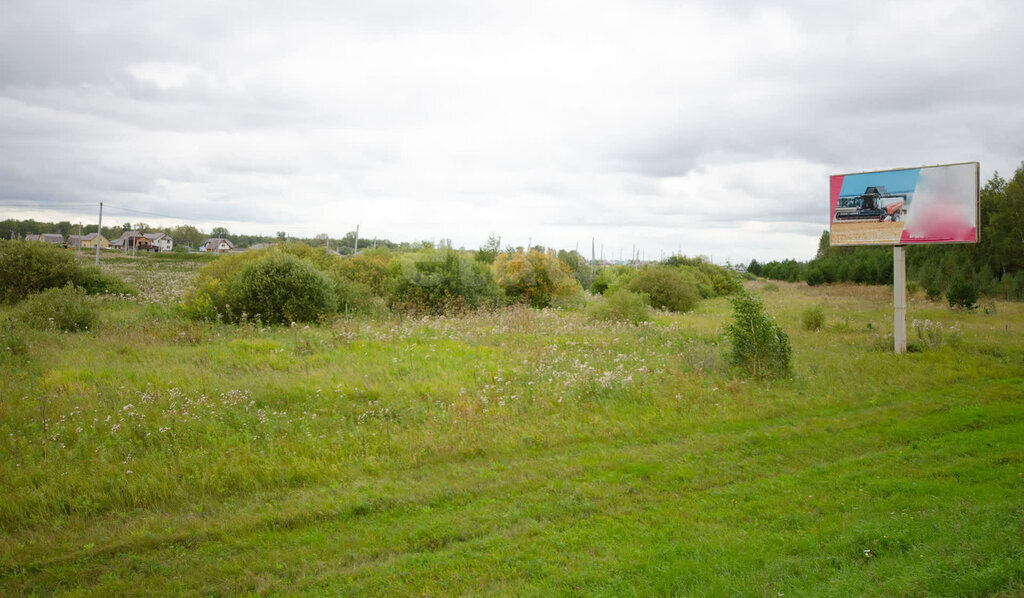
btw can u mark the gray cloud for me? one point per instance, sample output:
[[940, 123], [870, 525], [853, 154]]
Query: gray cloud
[[650, 122]]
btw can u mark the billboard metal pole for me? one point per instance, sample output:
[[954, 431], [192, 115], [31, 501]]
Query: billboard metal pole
[[99, 234], [899, 296]]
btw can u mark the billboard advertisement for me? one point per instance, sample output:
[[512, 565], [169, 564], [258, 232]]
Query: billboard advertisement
[[930, 204]]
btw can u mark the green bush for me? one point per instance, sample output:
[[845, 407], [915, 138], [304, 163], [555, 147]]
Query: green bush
[[65, 308], [273, 286], [619, 306], [759, 346], [933, 293], [962, 294], [441, 281], [279, 289], [667, 288], [611, 278], [369, 270], [94, 281], [29, 267], [813, 318], [535, 278], [712, 280], [815, 276]]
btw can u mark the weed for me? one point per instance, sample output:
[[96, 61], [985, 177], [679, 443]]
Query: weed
[[932, 334], [813, 318]]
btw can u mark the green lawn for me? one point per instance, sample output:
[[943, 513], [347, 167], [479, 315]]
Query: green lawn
[[520, 452]]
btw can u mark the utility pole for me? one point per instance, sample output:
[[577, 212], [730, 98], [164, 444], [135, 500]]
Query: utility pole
[[99, 234], [79, 237], [355, 246]]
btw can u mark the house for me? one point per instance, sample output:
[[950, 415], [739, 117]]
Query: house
[[31, 237], [51, 238], [75, 240], [160, 241], [89, 241], [217, 245], [130, 239]]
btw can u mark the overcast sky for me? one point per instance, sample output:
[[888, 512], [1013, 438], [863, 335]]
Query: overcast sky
[[705, 127]]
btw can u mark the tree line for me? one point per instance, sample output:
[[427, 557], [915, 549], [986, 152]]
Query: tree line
[[994, 266], [187, 237]]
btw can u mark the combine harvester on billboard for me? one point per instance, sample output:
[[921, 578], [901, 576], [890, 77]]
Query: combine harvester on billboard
[[930, 204], [875, 204]]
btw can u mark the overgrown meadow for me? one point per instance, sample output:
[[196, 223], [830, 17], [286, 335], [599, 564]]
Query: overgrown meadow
[[512, 451]]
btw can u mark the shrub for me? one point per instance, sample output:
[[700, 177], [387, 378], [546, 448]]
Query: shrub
[[94, 281], [272, 286], [441, 281], [28, 267], [279, 289], [814, 318], [666, 288], [933, 293], [65, 308], [535, 278], [611, 278], [369, 270], [962, 294], [815, 276], [620, 306], [207, 299], [759, 345], [712, 280]]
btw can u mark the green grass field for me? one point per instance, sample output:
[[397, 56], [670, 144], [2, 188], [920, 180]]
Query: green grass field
[[513, 453]]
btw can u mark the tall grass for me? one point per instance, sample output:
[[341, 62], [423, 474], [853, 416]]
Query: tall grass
[[514, 451]]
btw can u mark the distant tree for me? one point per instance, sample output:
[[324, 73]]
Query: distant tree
[[754, 268], [489, 250], [219, 232], [281, 235], [142, 227], [824, 243], [187, 235], [64, 227]]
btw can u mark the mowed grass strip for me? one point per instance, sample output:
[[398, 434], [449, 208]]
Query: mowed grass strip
[[766, 506], [515, 453]]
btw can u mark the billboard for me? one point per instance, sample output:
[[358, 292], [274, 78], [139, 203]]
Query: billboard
[[930, 204]]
